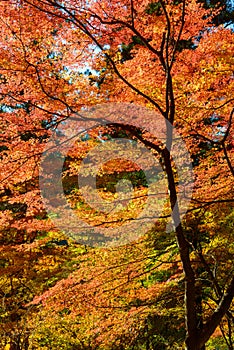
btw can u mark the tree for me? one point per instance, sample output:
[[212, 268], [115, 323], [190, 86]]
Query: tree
[[164, 55]]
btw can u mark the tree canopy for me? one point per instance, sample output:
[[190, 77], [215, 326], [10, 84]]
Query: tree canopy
[[116, 95]]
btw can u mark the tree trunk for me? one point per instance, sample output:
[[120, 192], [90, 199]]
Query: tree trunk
[[195, 338]]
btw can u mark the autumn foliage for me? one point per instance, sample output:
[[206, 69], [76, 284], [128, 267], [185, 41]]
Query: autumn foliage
[[167, 288]]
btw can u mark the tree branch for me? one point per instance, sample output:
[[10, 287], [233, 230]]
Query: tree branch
[[213, 322]]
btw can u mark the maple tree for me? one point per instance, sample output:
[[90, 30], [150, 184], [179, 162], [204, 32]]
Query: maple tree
[[167, 56]]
